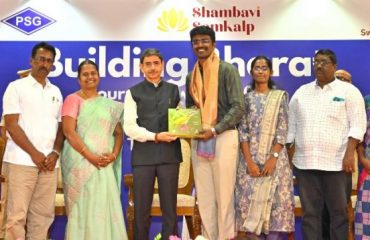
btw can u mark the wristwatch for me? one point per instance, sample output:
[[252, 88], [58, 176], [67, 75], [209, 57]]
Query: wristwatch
[[275, 154]]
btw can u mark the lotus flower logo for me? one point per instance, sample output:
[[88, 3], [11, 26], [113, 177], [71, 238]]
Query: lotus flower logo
[[172, 20]]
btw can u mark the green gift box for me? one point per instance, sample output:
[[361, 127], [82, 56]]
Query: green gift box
[[184, 122]]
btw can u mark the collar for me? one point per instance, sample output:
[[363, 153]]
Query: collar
[[154, 84], [329, 85], [33, 82]]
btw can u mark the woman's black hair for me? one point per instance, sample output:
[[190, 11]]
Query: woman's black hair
[[86, 62]]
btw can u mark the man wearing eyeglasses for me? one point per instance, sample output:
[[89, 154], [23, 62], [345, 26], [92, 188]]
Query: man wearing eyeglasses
[[344, 76], [326, 121], [31, 109], [214, 86]]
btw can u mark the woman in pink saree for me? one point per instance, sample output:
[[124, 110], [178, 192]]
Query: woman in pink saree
[[91, 161]]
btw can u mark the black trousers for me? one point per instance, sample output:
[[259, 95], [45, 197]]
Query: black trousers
[[317, 188], [144, 178], [325, 213]]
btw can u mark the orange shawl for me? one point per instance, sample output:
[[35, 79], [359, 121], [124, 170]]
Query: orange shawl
[[205, 90]]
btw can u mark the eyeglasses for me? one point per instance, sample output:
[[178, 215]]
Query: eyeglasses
[[321, 62], [263, 68], [203, 41], [44, 59]]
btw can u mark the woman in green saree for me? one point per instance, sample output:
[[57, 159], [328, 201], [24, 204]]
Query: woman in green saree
[[91, 161]]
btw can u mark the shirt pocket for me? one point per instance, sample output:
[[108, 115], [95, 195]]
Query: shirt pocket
[[337, 110], [54, 107]]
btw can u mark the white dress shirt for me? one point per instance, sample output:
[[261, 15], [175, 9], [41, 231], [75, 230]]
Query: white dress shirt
[[320, 122], [132, 129], [39, 110]]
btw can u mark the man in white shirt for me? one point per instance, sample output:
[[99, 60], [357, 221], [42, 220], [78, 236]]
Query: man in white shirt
[[32, 113], [326, 121], [344, 76]]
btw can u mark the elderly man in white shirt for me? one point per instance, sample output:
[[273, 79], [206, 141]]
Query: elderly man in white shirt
[[32, 113], [326, 121]]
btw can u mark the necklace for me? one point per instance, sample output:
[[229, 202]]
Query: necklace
[[83, 94]]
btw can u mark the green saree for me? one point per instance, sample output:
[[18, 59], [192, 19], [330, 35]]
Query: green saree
[[93, 196]]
